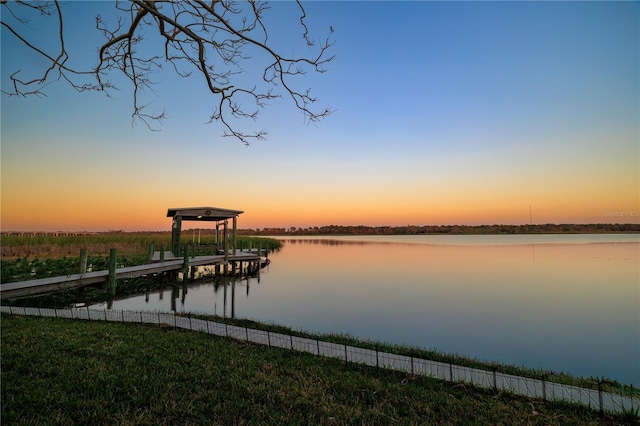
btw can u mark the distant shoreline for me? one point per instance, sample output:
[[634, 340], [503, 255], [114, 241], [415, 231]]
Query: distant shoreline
[[606, 228], [345, 230]]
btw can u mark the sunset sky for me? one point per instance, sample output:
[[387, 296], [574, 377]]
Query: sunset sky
[[445, 113]]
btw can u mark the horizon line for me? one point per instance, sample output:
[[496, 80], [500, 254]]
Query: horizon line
[[287, 228]]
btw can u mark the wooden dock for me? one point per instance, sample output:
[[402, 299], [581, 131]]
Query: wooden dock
[[170, 263]]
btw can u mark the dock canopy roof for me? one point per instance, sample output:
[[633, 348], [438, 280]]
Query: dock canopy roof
[[203, 213]]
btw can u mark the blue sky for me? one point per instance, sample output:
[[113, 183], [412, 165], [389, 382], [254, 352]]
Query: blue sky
[[445, 112]]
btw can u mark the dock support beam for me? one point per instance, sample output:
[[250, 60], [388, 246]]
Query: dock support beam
[[185, 265], [226, 240], [151, 250], [176, 231], [235, 229], [83, 260], [112, 272]]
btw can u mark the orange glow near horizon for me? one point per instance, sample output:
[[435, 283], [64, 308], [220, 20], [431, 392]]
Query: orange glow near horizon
[[46, 213]]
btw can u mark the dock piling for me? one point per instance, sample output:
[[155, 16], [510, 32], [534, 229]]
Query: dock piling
[[83, 260], [185, 265], [112, 271]]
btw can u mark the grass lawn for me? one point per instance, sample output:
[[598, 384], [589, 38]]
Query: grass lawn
[[57, 371]]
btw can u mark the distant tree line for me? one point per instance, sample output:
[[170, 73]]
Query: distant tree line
[[549, 228]]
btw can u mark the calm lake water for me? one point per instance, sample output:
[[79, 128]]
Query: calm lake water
[[561, 302]]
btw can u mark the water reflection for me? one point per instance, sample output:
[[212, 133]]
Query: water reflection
[[208, 294], [566, 303]]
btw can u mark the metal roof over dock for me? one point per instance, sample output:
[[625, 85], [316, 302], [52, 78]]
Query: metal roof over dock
[[203, 213]]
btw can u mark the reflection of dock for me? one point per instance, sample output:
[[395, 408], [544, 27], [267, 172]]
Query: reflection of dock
[[222, 283], [170, 264]]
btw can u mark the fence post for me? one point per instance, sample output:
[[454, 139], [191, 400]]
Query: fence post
[[495, 381], [112, 271], [600, 396], [152, 249], [161, 253], [83, 260]]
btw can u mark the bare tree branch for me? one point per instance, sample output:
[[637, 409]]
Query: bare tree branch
[[217, 41]]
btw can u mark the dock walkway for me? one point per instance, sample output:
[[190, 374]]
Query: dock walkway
[[170, 263]]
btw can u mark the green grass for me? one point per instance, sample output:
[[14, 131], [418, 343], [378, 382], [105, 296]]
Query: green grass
[[57, 371], [608, 385], [23, 269]]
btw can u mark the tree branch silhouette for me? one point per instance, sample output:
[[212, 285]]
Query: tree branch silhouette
[[216, 41]]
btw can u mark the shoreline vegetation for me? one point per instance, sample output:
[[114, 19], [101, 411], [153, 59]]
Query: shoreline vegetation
[[550, 228], [496, 229], [16, 245], [49, 255], [132, 247]]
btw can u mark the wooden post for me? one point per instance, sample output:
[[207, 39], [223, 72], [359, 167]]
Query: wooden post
[[185, 265], [235, 226], [83, 260], [226, 240], [152, 248], [112, 271], [161, 253], [176, 231]]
